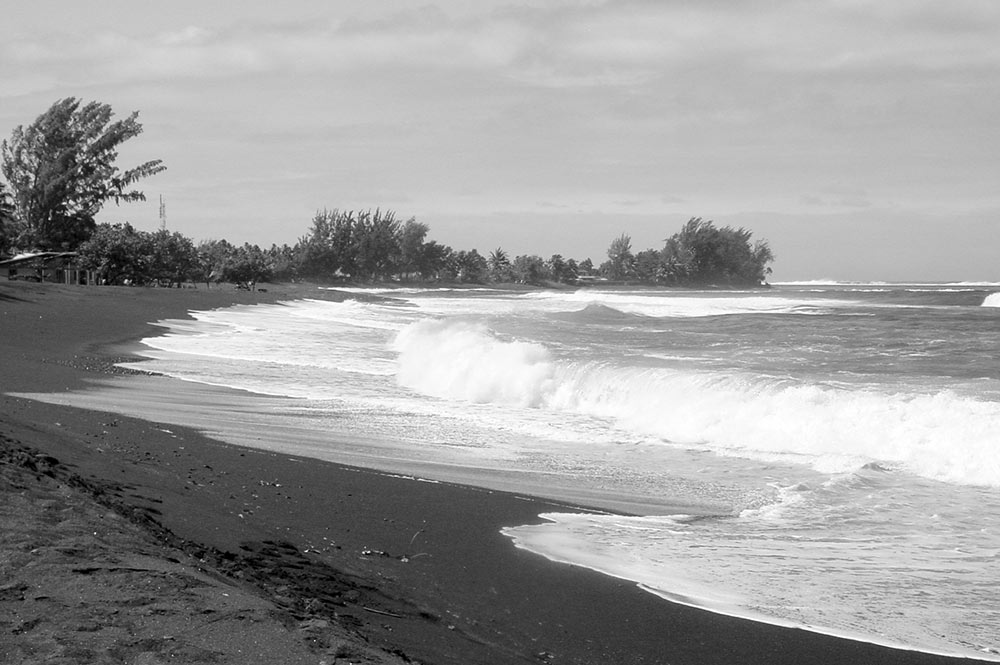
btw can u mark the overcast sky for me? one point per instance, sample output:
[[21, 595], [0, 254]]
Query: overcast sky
[[861, 138]]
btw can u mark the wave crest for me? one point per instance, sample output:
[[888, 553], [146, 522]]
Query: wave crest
[[466, 361], [601, 314], [943, 436]]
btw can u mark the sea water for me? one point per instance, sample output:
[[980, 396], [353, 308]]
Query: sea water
[[839, 444]]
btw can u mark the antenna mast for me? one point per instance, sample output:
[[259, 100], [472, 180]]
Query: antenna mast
[[163, 214]]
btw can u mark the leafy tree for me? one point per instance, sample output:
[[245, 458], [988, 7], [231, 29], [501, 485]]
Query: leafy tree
[[762, 258], [284, 263], [119, 253], [62, 171], [620, 257], [377, 244], [586, 267], [572, 272], [365, 244], [529, 269], [213, 255], [328, 248], [556, 268], [702, 253], [368, 244], [649, 267], [173, 257], [246, 266], [449, 265], [469, 267], [411, 246], [434, 260], [562, 270], [6, 220], [676, 260]]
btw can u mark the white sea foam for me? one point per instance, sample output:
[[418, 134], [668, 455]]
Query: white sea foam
[[683, 408], [677, 304], [459, 360], [992, 300], [829, 282], [842, 283], [939, 435], [742, 568], [832, 428], [973, 283]]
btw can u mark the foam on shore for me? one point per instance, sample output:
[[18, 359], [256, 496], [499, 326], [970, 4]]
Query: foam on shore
[[558, 540], [280, 424]]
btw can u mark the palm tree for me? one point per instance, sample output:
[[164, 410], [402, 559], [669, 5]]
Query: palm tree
[[499, 263]]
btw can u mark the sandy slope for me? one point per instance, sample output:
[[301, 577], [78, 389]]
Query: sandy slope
[[80, 583]]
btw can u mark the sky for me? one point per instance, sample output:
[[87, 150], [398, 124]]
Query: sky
[[860, 138]]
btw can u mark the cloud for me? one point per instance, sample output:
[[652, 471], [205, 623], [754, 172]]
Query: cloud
[[606, 44], [590, 105], [191, 34]]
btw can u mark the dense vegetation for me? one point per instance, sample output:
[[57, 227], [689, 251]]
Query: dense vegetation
[[60, 171]]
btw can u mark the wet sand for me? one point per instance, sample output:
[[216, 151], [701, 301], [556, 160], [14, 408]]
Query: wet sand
[[341, 563]]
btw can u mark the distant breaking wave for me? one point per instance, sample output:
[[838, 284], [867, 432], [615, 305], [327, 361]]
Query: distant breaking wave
[[835, 282], [992, 300], [828, 428], [829, 282], [659, 305]]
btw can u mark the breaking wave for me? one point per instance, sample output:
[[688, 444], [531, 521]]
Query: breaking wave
[[943, 435], [992, 300], [464, 361], [658, 305]]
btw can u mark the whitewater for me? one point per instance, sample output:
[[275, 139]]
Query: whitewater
[[838, 444]]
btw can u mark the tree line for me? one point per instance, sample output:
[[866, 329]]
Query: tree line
[[699, 254], [60, 171]]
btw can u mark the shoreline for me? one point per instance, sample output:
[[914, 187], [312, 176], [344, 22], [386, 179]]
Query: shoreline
[[255, 420], [211, 398], [467, 595]]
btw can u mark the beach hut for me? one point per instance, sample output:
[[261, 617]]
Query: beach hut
[[56, 267]]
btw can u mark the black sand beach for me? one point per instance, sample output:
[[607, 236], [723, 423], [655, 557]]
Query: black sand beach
[[331, 563]]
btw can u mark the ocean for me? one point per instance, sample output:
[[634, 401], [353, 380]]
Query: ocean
[[835, 447]]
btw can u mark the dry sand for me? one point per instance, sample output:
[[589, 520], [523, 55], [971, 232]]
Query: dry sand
[[129, 541]]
